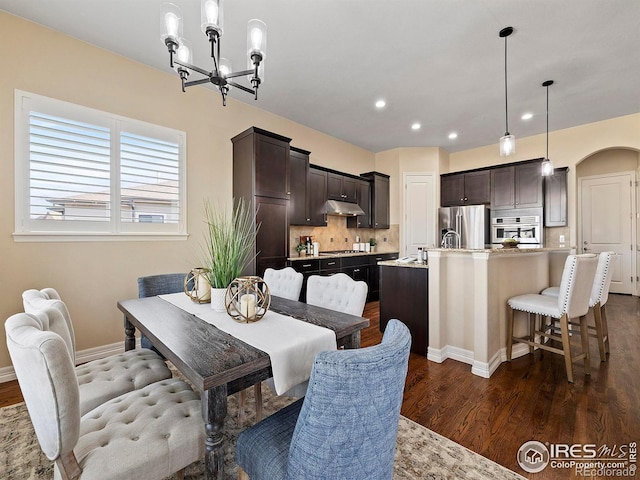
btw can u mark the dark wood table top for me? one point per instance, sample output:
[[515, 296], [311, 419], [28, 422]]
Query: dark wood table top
[[209, 357]]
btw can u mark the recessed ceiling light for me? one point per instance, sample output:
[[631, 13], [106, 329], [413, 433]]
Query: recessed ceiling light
[[380, 104], [415, 126], [527, 116], [453, 135]]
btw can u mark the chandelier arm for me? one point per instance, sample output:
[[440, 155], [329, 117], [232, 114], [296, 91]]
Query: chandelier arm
[[197, 82], [239, 74], [241, 87], [192, 67]]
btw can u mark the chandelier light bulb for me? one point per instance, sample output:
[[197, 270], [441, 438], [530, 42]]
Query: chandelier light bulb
[[184, 51], [211, 15], [171, 24], [256, 38], [225, 67]]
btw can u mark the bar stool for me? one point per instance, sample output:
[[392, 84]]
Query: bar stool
[[597, 301], [572, 302]]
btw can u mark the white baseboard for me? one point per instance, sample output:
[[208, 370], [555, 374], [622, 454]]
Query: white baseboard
[[83, 356], [481, 369]]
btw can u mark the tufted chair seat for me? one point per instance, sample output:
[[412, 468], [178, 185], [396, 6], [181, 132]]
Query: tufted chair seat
[[337, 292], [145, 434], [103, 379], [597, 301], [345, 427], [572, 302], [285, 283]]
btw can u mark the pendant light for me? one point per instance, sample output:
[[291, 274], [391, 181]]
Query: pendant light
[[547, 166], [507, 141]]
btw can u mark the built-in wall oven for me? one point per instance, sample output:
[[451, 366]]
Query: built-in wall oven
[[527, 229]]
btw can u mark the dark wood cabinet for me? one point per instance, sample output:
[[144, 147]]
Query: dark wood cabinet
[[404, 295], [261, 177], [374, 273], [317, 196], [470, 188], [555, 198], [379, 198], [299, 179], [517, 186], [364, 200], [340, 187], [308, 191]]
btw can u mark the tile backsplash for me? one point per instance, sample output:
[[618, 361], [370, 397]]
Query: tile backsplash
[[336, 236]]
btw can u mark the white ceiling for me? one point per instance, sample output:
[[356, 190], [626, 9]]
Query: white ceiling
[[437, 62]]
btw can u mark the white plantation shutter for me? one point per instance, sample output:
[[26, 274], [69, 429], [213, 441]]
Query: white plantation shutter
[[69, 169], [81, 172]]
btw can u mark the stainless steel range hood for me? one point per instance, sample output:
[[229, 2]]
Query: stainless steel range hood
[[336, 207]]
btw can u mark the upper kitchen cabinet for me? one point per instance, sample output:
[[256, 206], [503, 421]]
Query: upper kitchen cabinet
[[341, 187], [261, 177], [379, 198], [364, 200], [298, 177], [266, 156], [517, 186], [317, 196], [555, 198], [469, 188]]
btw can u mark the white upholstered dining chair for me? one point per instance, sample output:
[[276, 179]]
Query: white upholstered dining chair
[[147, 434], [285, 283], [572, 302], [103, 379], [337, 292], [597, 301]]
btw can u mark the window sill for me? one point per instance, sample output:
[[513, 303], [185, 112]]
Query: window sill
[[97, 237]]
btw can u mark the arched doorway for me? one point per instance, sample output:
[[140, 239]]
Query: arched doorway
[[607, 212]]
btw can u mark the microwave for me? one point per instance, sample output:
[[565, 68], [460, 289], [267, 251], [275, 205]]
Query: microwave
[[527, 230]]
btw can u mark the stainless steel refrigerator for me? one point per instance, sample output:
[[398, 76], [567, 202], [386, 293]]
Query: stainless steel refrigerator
[[465, 227]]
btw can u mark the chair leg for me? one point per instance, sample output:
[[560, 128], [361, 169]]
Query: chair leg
[[599, 331], [532, 330], [509, 332], [566, 347], [605, 327], [584, 334], [257, 389], [242, 400], [242, 475]]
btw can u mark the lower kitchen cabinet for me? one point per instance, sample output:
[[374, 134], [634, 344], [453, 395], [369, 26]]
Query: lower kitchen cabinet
[[404, 296], [374, 273]]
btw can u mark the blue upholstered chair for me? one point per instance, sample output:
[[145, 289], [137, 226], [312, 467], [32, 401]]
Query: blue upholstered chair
[[162, 284], [345, 427]]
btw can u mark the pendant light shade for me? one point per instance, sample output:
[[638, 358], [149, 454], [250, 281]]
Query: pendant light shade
[[507, 141], [547, 165]]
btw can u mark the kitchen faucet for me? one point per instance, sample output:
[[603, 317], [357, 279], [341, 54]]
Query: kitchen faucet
[[446, 236]]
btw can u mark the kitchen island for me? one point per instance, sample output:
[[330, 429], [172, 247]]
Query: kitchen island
[[468, 293], [403, 295]]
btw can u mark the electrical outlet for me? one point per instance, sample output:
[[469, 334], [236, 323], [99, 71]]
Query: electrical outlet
[[346, 239], [561, 238], [331, 240]]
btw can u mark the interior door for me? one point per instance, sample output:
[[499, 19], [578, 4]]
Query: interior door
[[606, 219], [420, 212]]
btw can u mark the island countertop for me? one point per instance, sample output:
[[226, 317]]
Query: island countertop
[[502, 250], [395, 263]]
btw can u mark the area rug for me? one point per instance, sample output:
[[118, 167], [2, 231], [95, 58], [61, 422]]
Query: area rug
[[420, 453]]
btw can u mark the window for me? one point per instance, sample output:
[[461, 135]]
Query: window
[[84, 173]]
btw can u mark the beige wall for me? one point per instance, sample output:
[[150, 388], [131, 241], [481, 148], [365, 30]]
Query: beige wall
[[609, 161], [93, 276]]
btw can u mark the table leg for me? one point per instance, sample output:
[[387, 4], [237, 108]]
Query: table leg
[[129, 335], [214, 411], [353, 340]]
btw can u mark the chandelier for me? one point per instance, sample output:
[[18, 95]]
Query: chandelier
[[508, 141], [222, 76]]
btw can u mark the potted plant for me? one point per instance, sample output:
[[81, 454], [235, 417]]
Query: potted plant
[[372, 244], [301, 248], [228, 246]]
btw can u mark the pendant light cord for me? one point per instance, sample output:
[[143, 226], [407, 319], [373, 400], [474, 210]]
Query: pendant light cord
[[547, 122], [506, 101]]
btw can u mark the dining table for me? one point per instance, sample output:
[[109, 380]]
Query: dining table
[[217, 363]]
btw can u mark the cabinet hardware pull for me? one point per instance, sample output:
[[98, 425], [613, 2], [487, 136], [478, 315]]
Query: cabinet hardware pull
[[356, 270], [307, 265], [331, 263]]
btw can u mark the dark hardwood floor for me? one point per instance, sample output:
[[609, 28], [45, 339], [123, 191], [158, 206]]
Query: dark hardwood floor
[[530, 398], [527, 399]]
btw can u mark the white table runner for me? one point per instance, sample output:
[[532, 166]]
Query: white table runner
[[291, 344]]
